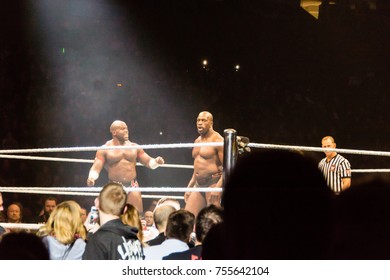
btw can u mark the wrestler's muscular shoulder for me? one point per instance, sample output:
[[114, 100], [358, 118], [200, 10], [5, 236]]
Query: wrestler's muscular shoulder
[[103, 152], [216, 137]]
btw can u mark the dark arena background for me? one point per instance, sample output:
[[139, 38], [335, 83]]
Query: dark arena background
[[278, 71]]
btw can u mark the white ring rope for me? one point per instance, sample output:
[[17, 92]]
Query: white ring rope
[[192, 145], [47, 158], [84, 160], [88, 149], [318, 149], [94, 194], [165, 165], [94, 191], [383, 170], [21, 226], [64, 190]]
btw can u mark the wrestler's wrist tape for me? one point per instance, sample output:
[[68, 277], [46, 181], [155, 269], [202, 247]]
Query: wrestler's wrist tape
[[153, 164], [93, 174]]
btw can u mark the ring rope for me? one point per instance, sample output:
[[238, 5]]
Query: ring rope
[[52, 192], [96, 190], [49, 191], [192, 145], [318, 149], [382, 170], [62, 192], [21, 226], [84, 160], [95, 148]]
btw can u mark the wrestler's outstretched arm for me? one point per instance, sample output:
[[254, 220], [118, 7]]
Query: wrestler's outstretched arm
[[97, 166], [149, 161]]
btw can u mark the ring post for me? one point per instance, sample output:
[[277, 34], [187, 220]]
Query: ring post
[[230, 152]]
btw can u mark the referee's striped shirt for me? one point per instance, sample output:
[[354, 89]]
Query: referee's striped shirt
[[335, 169]]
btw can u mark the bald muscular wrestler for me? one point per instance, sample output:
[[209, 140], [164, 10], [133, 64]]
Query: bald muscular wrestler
[[121, 164], [208, 163]]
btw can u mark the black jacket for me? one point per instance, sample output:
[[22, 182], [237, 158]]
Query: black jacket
[[114, 241], [157, 240], [194, 253]]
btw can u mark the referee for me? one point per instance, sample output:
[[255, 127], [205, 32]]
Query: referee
[[335, 168]]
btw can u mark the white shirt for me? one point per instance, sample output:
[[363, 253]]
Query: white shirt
[[169, 246], [150, 233]]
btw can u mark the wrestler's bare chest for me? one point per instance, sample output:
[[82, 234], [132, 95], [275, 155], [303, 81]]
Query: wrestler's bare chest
[[113, 156]]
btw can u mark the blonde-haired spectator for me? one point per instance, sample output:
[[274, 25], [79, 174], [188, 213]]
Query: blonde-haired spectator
[[64, 233], [132, 218]]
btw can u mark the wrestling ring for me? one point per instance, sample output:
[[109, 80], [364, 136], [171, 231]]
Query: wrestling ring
[[233, 145]]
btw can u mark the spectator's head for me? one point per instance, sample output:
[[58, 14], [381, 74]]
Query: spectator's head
[[22, 246], [132, 218], [180, 225], [15, 213], [285, 187], [112, 199], [50, 204], [169, 201], [208, 217], [148, 217], [293, 203], [160, 216], [65, 223]]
